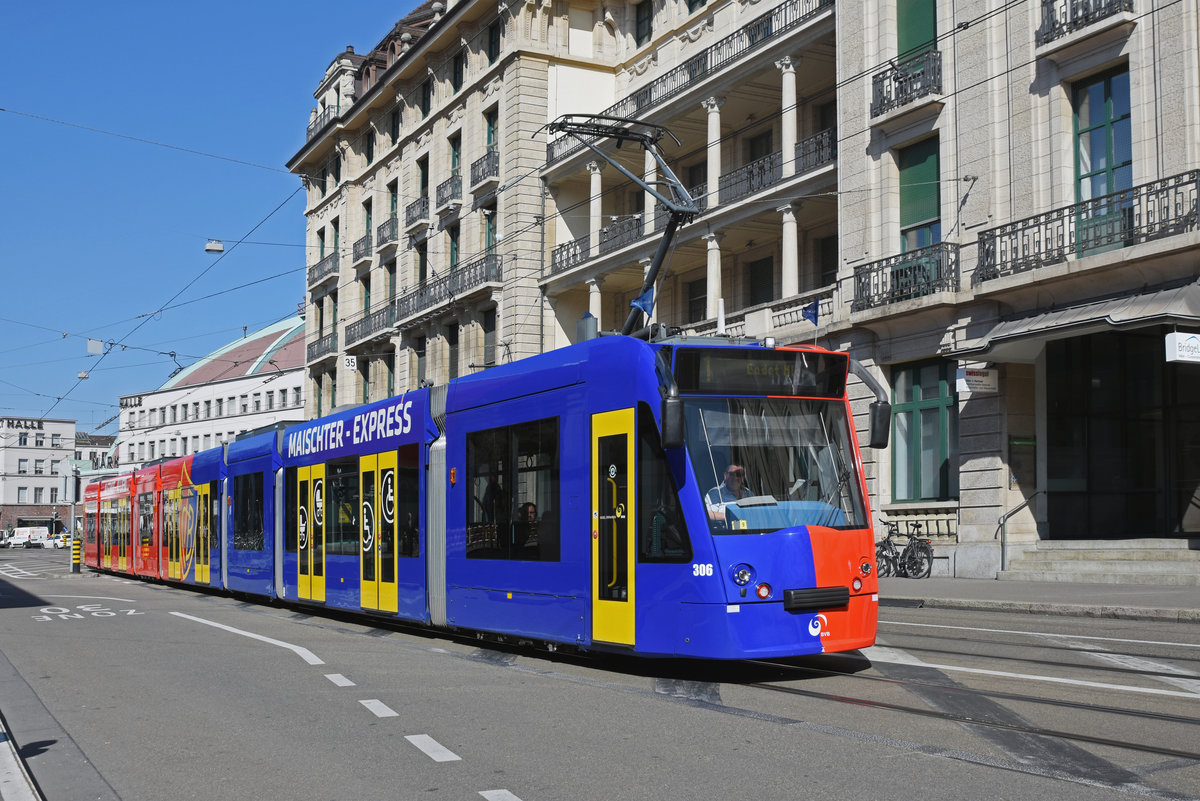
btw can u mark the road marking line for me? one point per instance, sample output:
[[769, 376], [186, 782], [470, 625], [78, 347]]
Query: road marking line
[[498, 795], [897, 657], [379, 708], [432, 748], [95, 598], [305, 654], [339, 679], [1040, 634]]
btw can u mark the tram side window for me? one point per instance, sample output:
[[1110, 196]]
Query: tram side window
[[289, 511], [512, 485], [341, 506], [248, 512], [662, 532], [146, 518], [408, 538]]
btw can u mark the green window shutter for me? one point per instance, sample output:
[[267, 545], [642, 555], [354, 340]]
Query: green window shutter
[[920, 198], [916, 26]]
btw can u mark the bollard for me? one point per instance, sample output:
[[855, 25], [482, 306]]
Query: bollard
[[75, 547]]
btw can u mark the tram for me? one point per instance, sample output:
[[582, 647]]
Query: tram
[[685, 497]]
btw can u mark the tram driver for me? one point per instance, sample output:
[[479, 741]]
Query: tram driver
[[732, 488]]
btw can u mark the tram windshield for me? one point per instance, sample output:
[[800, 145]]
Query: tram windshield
[[765, 464]]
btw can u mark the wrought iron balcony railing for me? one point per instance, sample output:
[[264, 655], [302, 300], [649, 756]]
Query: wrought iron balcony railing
[[699, 195], [909, 80], [620, 233], [362, 249], [752, 177], [317, 125], [757, 33], [484, 270], [1143, 213], [907, 276], [487, 167], [1062, 17], [416, 211], [570, 254], [376, 322], [388, 231], [816, 151], [450, 190], [323, 269], [325, 346]]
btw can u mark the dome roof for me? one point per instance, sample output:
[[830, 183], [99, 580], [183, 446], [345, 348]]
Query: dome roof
[[278, 347]]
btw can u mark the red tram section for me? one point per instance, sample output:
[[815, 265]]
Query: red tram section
[[145, 534]]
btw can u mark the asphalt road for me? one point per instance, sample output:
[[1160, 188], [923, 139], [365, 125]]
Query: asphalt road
[[117, 689]]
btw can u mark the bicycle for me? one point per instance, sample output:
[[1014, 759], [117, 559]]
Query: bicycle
[[914, 561]]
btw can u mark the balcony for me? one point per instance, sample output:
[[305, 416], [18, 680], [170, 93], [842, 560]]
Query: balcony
[[909, 80], [1063, 17], [486, 169], [461, 281], [620, 232], [816, 151], [910, 275], [747, 180], [755, 34], [323, 269], [449, 192], [387, 234], [416, 214], [371, 326], [323, 347], [699, 196], [1143, 213], [318, 124], [362, 250], [570, 254]]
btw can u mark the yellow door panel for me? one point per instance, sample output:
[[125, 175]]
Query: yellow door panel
[[613, 513]]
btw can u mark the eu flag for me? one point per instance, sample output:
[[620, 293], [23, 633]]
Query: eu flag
[[645, 302]]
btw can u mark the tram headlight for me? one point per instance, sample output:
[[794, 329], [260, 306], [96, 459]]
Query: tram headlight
[[742, 574]]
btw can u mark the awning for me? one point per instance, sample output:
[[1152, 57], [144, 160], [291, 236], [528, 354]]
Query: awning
[[1020, 338]]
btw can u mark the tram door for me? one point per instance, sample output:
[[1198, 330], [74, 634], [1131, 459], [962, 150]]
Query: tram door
[[613, 529], [124, 533], [203, 518], [173, 520], [377, 543], [310, 512], [107, 516]]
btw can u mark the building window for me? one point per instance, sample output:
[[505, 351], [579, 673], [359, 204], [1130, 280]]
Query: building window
[[38, 495], [39, 467], [489, 337], [56, 440], [495, 31], [827, 260], [452, 246], [23, 439], [422, 251], [452, 349], [257, 402], [270, 401], [23, 467], [220, 407], [54, 467], [369, 146], [389, 364], [920, 196], [244, 403], [916, 27], [22, 494], [426, 98], [394, 127], [697, 300], [489, 228], [693, 5], [54, 495], [455, 154], [457, 70], [760, 274], [924, 432], [207, 409], [643, 22], [419, 352], [1103, 158], [296, 400]]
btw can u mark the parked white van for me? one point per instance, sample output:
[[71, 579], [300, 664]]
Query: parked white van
[[28, 537]]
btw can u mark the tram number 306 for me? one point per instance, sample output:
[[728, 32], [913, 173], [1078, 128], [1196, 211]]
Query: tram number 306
[[702, 570]]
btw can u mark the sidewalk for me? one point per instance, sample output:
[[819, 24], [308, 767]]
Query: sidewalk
[[1174, 604]]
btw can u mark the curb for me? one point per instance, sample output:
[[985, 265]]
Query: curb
[[15, 782], [1065, 610]]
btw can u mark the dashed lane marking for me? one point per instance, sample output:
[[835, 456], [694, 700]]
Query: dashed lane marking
[[379, 708], [432, 748], [339, 679]]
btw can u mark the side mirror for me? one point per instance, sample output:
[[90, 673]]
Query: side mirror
[[672, 422], [880, 424]]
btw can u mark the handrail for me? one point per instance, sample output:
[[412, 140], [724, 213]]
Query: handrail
[[1002, 526]]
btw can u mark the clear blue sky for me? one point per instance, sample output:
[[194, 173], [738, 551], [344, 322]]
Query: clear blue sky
[[99, 232]]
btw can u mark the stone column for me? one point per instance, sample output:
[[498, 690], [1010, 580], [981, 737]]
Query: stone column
[[594, 304], [714, 273], [789, 271], [650, 174], [596, 221], [713, 106], [789, 113]]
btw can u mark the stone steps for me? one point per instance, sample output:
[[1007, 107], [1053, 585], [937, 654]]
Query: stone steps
[[1142, 561]]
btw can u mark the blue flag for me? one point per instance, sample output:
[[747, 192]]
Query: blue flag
[[645, 302], [809, 312]]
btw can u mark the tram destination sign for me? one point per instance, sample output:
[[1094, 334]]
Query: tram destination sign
[[751, 371]]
